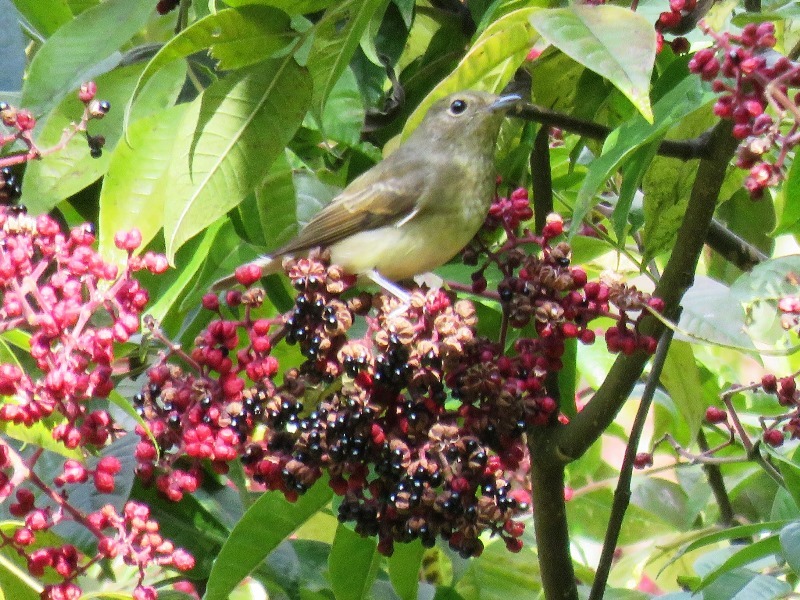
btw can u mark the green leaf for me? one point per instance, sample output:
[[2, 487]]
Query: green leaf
[[770, 280], [265, 524], [239, 36], [127, 198], [713, 315], [15, 582], [682, 100], [632, 174], [404, 566], [249, 35], [187, 277], [352, 564], [790, 471], [789, 207], [748, 554], [227, 142], [488, 65], [74, 53], [79, 6], [343, 115], [613, 41], [276, 206], [336, 37], [682, 380], [45, 16], [40, 435], [501, 575], [790, 544]]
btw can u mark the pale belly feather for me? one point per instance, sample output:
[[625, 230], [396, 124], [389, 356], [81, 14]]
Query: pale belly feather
[[417, 246]]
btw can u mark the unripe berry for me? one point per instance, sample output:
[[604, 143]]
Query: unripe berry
[[716, 415], [773, 437], [87, 92]]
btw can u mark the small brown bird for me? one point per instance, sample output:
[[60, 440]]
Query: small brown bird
[[415, 210]]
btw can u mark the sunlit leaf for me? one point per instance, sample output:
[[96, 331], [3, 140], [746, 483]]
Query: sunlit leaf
[[613, 41], [227, 142], [488, 65], [336, 37], [75, 52]]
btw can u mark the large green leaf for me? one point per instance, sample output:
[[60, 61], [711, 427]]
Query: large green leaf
[[404, 565], [75, 52], [768, 281], [788, 201], [667, 186], [276, 206], [620, 145], [265, 524], [227, 142], [488, 65], [352, 564], [336, 37], [45, 16], [237, 37], [127, 198], [612, 41], [60, 175], [790, 545], [711, 314], [682, 380], [749, 553]]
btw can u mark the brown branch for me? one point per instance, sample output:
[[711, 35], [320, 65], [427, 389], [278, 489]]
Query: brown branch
[[587, 426], [733, 248], [683, 149], [550, 518], [717, 484]]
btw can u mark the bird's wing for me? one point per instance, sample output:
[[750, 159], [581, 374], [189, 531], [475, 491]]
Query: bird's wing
[[385, 194]]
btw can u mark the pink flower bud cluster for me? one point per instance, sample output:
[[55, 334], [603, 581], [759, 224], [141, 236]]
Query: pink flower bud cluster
[[75, 307], [751, 78]]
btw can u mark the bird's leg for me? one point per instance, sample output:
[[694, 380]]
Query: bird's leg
[[394, 289]]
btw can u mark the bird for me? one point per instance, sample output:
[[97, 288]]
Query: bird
[[417, 208]]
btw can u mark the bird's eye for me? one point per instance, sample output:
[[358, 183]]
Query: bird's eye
[[457, 107]]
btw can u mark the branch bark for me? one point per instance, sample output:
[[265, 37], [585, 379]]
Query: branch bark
[[575, 438], [555, 445]]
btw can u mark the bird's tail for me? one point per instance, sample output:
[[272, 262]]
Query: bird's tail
[[268, 265]]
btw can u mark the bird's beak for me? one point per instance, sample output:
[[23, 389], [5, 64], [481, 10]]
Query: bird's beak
[[505, 102]]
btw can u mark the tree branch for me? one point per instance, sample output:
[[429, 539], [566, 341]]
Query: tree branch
[[550, 518], [622, 495], [733, 248], [587, 426], [682, 149]]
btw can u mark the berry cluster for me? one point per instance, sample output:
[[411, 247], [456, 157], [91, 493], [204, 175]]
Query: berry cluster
[[785, 390], [417, 422], [675, 21], [557, 297], [75, 307], [165, 6], [20, 123], [751, 78]]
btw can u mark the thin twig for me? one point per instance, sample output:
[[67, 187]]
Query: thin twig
[[622, 494]]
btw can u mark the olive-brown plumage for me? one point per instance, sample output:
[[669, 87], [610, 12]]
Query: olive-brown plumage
[[417, 208]]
